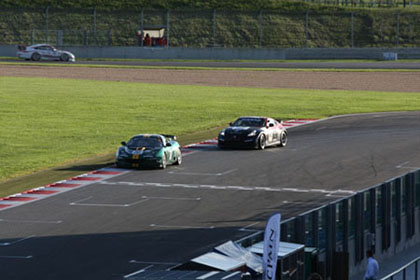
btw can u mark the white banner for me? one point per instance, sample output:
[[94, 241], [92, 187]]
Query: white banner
[[271, 247]]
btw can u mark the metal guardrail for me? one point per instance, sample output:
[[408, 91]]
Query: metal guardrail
[[405, 272]]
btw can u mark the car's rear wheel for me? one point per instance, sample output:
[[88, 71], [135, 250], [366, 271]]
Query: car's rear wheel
[[262, 142], [64, 57], [36, 57], [178, 160], [283, 139]]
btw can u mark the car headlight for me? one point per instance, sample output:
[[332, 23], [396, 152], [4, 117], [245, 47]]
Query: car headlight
[[121, 152], [222, 133], [252, 133]]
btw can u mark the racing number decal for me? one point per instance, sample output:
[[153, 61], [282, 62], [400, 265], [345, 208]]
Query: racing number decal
[[276, 135]]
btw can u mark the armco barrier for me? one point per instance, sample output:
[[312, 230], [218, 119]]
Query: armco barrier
[[384, 218], [230, 53]]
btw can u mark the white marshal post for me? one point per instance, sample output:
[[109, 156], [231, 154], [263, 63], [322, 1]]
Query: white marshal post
[[271, 247]]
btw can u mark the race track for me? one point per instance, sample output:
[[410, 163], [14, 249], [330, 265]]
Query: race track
[[157, 219]]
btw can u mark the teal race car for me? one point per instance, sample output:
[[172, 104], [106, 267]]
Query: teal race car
[[149, 150]]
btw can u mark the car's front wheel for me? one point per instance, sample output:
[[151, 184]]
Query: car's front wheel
[[36, 57], [163, 165], [283, 139], [64, 57], [262, 142]]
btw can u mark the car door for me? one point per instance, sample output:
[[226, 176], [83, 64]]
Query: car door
[[273, 130], [41, 50], [49, 52]]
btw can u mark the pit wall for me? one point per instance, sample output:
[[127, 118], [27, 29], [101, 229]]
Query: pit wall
[[384, 218], [229, 54]]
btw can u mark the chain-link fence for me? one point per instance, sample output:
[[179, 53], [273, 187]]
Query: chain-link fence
[[200, 29]]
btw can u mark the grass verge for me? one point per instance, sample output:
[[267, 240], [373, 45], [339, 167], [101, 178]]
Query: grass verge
[[50, 122]]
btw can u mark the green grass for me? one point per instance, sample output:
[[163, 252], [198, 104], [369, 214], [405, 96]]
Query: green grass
[[50, 122]]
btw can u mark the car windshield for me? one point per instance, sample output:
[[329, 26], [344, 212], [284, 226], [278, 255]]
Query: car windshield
[[254, 122], [148, 142]]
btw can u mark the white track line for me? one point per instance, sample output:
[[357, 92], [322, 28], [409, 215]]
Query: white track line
[[78, 203], [30, 221], [248, 226], [237, 188], [17, 241], [202, 174], [185, 227], [138, 271], [17, 257]]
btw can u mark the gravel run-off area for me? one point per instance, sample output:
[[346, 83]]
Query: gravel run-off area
[[371, 81]]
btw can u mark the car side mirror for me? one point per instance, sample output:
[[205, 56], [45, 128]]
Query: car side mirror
[[123, 143], [231, 123], [168, 144]]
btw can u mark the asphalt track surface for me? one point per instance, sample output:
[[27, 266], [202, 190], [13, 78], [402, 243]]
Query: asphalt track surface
[[179, 213]]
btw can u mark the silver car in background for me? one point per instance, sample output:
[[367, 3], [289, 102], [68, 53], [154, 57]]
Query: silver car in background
[[45, 52]]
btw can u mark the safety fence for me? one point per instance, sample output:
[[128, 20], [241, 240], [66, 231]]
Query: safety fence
[[384, 218], [409, 271], [368, 3], [213, 28]]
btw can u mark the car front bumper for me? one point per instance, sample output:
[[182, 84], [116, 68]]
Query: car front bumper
[[138, 163], [237, 142]]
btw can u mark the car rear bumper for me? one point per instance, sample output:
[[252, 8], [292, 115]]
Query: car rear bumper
[[24, 55]]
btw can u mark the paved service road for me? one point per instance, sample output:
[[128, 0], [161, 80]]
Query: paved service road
[[252, 64], [156, 219], [259, 64]]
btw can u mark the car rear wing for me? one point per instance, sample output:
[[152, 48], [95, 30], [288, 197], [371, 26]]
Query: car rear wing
[[173, 137]]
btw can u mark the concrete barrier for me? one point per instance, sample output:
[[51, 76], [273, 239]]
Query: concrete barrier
[[235, 53]]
